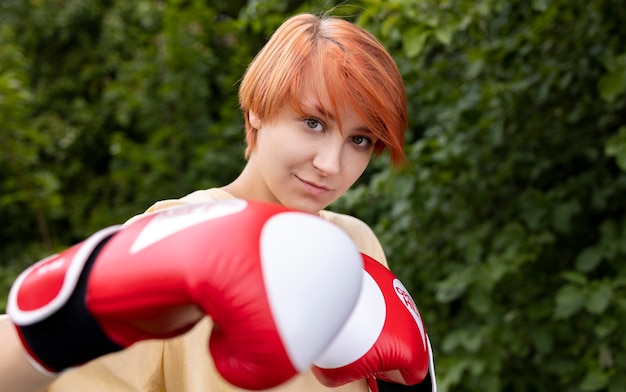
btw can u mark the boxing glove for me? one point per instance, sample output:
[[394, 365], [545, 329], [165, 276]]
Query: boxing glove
[[256, 269], [384, 339]]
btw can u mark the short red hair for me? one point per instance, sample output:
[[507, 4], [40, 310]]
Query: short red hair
[[344, 64]]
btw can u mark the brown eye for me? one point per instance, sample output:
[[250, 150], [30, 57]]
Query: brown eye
[[313, 124], [362, 141]]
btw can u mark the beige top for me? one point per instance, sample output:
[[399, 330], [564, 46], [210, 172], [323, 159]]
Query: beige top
[[183, 364]]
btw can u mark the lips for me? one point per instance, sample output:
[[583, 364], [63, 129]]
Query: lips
[[314, 187]]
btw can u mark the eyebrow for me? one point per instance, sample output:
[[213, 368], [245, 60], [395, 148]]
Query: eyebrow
[[319, 110]]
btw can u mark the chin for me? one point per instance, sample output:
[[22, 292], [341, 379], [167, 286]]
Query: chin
[[311, 208]]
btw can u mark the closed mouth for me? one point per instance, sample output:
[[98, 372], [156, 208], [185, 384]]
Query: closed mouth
[[314, 185]]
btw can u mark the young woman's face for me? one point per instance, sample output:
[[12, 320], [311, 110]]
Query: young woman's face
[[305, 162]]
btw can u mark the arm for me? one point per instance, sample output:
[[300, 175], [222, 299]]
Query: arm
[[16, 372], [384, 341], [369, 245], [249, 266]]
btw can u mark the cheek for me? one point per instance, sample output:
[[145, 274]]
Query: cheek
[[268, 143], [276, 148], [354, 165]]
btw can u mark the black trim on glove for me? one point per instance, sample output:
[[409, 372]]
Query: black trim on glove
[[70, 336], [425, 385]]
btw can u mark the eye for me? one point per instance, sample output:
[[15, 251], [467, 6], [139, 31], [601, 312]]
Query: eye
[[362, 141], [314, 124]]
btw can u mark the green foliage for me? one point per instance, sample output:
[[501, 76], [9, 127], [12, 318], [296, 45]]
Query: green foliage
[[28, 187], [508, 224], [509, 221]]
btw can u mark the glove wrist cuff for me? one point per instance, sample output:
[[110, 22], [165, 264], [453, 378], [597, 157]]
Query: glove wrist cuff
[[47, 305]]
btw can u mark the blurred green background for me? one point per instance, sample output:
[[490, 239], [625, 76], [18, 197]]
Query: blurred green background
[[508, 225]]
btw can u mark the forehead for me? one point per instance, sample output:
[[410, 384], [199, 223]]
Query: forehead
[[324, 88], [317, 94]]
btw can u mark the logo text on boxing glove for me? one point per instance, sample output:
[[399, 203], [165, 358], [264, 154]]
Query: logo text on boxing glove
[[180, 218], [407, 300]]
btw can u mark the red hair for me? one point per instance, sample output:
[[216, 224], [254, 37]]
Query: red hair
[[345, 66]]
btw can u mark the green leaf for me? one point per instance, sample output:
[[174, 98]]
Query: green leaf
[[617, 383], [469, 340], [569, 300], [413, 41], [574, 277], [616, 147], [605, 327], [594, 380], [564, 214], [540, 5], [480, 301], [589, 259], [444, 35], [613, 84], [598, 298], [453, 287]]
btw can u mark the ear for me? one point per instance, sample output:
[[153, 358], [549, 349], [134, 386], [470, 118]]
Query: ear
[[255, 120]]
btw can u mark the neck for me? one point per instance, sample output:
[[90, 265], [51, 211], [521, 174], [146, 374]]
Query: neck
[[249, 184]]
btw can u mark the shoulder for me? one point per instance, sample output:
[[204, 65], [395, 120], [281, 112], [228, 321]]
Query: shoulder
[[200, 196], [361, 233]]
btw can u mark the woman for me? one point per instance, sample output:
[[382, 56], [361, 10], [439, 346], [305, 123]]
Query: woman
[[319, 100]]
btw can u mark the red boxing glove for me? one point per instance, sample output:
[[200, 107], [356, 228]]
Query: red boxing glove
[[383, 339], [255, 268]]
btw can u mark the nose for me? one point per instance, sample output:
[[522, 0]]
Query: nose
[[328, 158]]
